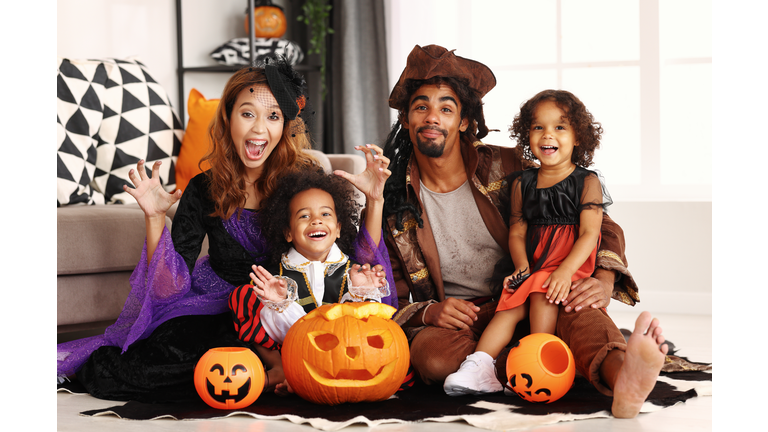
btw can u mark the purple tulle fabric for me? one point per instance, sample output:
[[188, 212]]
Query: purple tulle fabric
[[367, 253], [164, 289]]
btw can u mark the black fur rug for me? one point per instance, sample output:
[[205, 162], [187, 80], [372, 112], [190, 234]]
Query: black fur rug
[[429, 403]]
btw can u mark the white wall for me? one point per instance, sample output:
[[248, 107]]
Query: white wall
[[632, 82], [120, 29], [147, 29], [669, 243], [669, 251]]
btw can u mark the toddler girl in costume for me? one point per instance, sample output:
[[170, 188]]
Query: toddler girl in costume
[[556, 214], [310, 223]]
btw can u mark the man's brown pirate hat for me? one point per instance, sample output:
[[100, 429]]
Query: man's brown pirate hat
[[433, 60]]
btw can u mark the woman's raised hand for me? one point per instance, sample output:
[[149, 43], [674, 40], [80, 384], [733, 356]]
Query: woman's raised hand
[[371, 181], [149, 192]]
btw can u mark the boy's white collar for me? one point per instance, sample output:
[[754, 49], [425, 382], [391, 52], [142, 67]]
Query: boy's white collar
[[335, 256]]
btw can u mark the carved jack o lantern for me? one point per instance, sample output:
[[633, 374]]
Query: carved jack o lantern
[[540, 368], [350, 352], [229, 378], [269, 20]]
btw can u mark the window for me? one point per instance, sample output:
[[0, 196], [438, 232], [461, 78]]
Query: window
[[643, 68]]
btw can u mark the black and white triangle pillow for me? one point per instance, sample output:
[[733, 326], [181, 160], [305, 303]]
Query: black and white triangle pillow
[[80, 89], [138, 123]]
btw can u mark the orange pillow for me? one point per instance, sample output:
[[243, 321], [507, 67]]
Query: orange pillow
[[195, 143]]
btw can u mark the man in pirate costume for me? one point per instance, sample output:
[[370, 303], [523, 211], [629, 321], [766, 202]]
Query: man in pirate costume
[[447, 224]]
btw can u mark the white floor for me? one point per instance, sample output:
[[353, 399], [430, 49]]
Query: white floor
[[692, 335]]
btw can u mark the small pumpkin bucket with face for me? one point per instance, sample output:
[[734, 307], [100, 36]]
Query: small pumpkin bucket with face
[[229, 378], [349, 352], [541, 368]]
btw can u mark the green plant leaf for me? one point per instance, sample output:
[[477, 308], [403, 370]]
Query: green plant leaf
[[315, 16]]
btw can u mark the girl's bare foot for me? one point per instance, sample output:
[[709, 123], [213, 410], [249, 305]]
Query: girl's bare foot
[[642, 363]]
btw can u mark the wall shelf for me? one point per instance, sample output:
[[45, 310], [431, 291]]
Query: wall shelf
[[225, 68], [309, 67]]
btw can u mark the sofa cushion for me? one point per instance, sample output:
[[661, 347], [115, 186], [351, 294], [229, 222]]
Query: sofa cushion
[[91, 298], [351, 163], [196, 141], [323, 159], [99, 239], [138, 123], [80, 88]]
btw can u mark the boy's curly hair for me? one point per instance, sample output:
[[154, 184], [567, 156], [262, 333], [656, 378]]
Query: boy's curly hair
[[275, 213], [586, 130]]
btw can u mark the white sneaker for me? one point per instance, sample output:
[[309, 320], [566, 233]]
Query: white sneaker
[[476, 375], [508, 389]]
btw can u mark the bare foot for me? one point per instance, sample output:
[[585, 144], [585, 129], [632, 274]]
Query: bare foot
[[642, 363], [274, 378], [283, 389]]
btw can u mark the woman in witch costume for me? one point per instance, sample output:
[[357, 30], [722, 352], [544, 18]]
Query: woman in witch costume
[[177, 308]]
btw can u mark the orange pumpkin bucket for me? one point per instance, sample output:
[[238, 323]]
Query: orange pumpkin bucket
[[541, 368], [229, 378]]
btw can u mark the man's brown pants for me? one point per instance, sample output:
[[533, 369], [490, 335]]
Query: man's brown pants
[[590, 334]]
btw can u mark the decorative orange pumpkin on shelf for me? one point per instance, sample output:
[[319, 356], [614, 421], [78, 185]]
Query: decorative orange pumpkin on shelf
[[350, 352], [269, 20], [229, 378], [541, 368]]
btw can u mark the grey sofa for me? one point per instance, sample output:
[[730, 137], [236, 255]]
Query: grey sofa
[[98, 248]]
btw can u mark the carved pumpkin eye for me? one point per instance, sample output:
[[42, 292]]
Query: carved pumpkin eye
[[323, 341], [219, 368], [380, 338]]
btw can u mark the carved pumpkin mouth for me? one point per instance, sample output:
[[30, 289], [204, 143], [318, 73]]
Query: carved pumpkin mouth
[[351, 377], [242, 392]]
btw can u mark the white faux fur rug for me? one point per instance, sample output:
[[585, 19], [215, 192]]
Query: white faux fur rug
[[430, 404]]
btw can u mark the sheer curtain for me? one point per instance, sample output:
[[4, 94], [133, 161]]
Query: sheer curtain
[[359, 83]]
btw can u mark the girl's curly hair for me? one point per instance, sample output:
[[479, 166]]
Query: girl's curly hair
[[586, 130], [275, 213]]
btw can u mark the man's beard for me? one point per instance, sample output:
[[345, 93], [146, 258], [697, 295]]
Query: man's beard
[[430, 148]]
